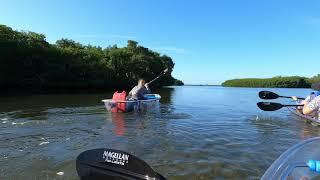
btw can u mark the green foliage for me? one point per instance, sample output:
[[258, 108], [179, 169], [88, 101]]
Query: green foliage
[[278, 81], [178, 82], [27, 60], [314, 79]]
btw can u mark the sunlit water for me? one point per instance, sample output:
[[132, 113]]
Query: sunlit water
[[199, 132]]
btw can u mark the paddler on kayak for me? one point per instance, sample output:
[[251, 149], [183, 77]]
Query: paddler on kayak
[[310, 97], [139, 90], [314, 105], [312, 102]]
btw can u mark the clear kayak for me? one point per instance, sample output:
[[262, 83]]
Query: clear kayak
[[313, 120], [150, 101], [300, 162]]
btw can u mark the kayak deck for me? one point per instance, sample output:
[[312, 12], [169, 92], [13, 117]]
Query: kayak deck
[[307, 118], [293, 163]]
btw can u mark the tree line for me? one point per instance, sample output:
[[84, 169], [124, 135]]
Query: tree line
[[274, 82], [29, 62]]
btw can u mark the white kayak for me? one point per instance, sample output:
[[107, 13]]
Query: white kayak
[[313, 120], [150, 101], [300, 162]]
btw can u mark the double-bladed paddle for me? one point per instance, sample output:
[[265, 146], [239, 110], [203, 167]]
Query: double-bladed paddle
[[161, 74], [272, 95], [271, 106], [102, 163]]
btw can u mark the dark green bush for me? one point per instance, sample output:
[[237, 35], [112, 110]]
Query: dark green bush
[[279, 82], [28, 61]]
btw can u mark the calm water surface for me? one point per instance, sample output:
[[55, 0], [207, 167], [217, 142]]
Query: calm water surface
[[200, 132]]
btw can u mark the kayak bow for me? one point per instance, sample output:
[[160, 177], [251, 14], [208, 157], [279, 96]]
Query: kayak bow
[[298, 162]]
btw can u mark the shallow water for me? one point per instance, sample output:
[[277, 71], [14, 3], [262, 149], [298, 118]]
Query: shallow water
[[199, 132]]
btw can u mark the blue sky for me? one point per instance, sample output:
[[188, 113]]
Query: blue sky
[[209, 41]]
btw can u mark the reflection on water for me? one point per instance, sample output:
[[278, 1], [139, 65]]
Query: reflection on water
[[166, 95], [119, 123], [197, 133]]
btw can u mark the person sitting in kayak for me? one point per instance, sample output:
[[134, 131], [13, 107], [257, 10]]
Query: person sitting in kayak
[[138, 91], [308, 99], [314, 105]]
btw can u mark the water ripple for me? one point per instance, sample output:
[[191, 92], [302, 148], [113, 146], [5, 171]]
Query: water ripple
[[198, 133]]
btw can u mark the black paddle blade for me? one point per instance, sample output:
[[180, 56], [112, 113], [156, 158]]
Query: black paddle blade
[[102, 163], [269, 106], [268, 95]]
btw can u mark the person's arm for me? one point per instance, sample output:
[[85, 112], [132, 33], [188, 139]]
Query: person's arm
[[307, 110], [147, 88], [310, 107]]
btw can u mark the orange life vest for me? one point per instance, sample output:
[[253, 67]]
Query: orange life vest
[[120, 106]]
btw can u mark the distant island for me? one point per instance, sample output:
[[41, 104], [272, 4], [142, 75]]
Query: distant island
[[29, 63], [200, 85], [274, 82]]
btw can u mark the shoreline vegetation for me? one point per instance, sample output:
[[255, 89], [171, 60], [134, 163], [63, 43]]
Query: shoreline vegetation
[[29, 63], [274, 82], [200, 85]]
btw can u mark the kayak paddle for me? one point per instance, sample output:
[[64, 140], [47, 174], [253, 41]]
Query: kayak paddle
[[271, 106], [272, 95], [113, 164], [161, 74]]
